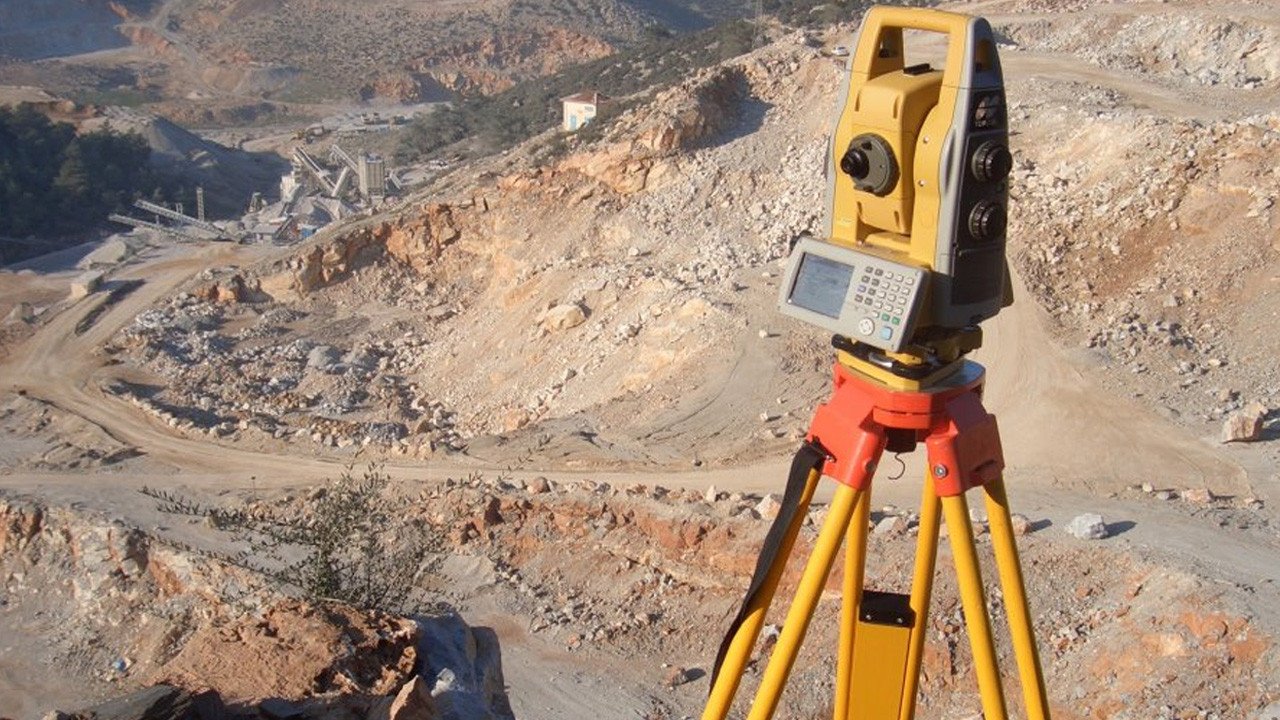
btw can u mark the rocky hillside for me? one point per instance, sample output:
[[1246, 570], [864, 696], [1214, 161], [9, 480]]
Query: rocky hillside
[[230, 55], [41, 29], [1150, 233], [608, 320], [615, 280], [429, 49]]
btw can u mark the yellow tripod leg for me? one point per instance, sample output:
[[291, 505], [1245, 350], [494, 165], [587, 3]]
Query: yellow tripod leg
[[735, 659], [1030, 674], [973, 600], [921, 594], [806, 600], [855, 565]]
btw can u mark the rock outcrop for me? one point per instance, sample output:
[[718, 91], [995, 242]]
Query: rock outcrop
[[493, 63], [115, 598], [294, 650], [676, 120], [415, 240]]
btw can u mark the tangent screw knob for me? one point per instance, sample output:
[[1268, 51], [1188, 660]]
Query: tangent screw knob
[[991, 162], [987, 220]]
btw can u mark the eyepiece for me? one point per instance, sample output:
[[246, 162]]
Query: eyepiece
[[855, 164]]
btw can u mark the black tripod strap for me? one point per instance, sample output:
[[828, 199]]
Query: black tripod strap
[[809, 458]]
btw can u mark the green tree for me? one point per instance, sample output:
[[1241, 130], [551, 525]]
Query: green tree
[[53, 181], [71, 189]]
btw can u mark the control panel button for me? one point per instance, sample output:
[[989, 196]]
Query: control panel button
[[836, 282]]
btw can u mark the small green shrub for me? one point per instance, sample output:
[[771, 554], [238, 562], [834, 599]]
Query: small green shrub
[[349, 542]]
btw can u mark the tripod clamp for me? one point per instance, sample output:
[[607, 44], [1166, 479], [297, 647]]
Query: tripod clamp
[[962, 438]]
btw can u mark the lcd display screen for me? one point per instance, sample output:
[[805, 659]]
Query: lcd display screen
[[821, 285]]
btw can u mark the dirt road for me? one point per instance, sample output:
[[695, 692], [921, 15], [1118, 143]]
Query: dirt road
[[66, 370]]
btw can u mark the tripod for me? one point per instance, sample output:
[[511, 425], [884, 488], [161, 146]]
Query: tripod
[[882, 634]]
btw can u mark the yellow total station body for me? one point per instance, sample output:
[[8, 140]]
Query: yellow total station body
[[918, 165]]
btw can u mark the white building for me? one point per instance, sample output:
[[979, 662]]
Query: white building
[[580, 109]]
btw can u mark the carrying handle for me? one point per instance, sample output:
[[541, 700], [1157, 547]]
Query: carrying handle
[[880, 44]]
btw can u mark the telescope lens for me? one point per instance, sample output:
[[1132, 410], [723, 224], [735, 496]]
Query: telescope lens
[[870, 162], [855, 164]]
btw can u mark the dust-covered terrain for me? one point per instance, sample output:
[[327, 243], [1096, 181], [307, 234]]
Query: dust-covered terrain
[[569, 356]]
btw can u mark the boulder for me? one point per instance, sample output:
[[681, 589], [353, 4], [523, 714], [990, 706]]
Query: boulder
[[85, 284], [412, 702], [21, 313], [361, 358], [891, 526], [323, 357], [1197, 496], [677, 676], [1020, 524], [295, 650], [1244, 425], [564, 317], [769, 507], [1089, 526], [233, 290]]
